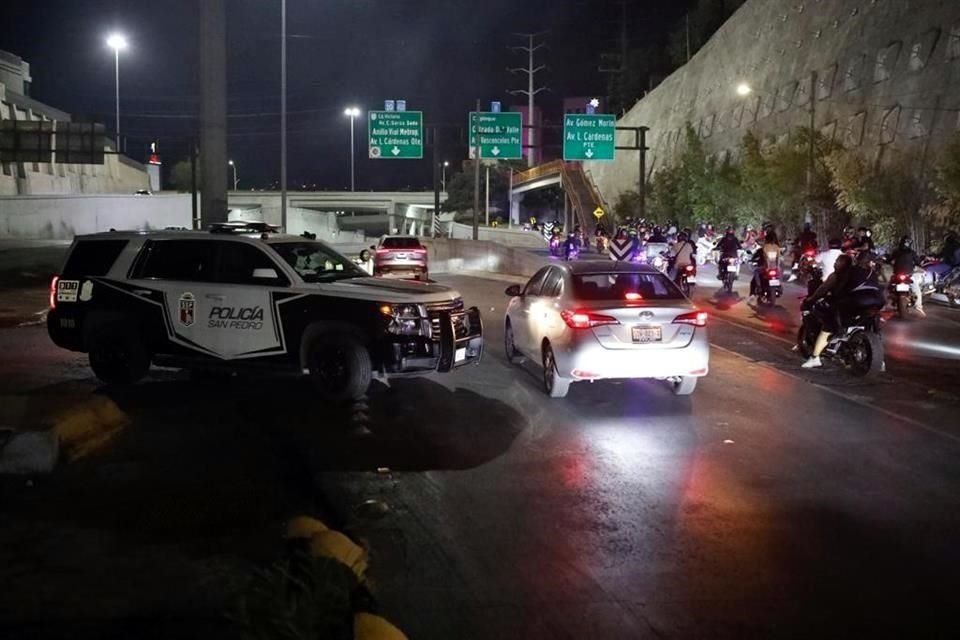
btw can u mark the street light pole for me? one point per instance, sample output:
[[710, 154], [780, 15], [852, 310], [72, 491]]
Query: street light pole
[[234, 167], [352, 113], [443, 176], [811, 163], [117, 42]]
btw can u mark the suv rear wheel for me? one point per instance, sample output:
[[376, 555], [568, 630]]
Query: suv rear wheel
[[117, 355], [340, 366]]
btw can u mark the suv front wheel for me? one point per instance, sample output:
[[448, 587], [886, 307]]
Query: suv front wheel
[[340, 366], [117, 355]]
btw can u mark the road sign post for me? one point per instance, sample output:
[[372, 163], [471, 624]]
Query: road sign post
[[500, 135], [589, 137], [395, 135]]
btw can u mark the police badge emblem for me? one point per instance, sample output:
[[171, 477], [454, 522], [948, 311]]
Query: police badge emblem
[[187, 309]]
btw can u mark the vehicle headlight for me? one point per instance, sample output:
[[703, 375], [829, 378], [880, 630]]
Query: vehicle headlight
[[405, 319]]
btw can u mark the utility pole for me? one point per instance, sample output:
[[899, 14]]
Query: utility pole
[[213, 110], [487, 207], [283, 115], [437, 180], [688, 36], [530, 91], [476, 184]]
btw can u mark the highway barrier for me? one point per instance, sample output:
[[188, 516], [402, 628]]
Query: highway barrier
[[448, 255]]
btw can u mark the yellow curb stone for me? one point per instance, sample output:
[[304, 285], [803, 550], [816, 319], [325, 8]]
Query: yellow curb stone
[[304, 527], [367, 626], [88, 426]]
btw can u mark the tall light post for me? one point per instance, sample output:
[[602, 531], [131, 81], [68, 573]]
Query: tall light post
[[234, 167], [443, 176], [353, 113], [117, 42]]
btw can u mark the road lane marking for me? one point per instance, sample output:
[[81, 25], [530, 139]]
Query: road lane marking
[[862, 403]]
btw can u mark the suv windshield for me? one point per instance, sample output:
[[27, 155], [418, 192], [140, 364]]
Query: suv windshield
[[400, 243], [315, 262], [615, 286]]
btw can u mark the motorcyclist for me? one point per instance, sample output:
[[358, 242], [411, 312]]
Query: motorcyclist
[[750, 238], [571, 247], [906, 261], [849, 289], [807, 240], [766, 257], [657, 236], [681, 255], [864, 240], [727, 247], [849, 242], [826, 259]]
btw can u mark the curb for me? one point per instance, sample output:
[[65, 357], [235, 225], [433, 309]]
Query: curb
[[325, 542]]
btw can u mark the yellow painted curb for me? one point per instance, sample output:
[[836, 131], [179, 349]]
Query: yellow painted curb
[[88, 426], [304, 528], [367, 626], [334, 544]]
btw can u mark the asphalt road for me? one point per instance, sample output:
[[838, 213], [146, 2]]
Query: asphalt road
[[773, 503]]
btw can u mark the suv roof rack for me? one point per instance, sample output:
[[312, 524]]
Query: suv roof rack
[[242, 227]]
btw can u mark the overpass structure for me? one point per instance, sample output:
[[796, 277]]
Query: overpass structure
[[375, 212], [581, 198]]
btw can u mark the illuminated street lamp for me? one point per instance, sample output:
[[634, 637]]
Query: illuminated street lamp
[[353, 113], [743, 89], [117, 42], [443, 178], [234, 167]]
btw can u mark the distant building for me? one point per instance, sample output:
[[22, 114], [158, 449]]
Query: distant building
[[118, 174]]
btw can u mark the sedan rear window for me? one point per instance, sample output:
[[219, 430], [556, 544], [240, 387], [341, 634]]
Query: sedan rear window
[[617, 286], [400, 243]]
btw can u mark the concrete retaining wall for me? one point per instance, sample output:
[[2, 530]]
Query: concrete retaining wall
[[448, 255], [322, 223], [508, 237], [62, 217]]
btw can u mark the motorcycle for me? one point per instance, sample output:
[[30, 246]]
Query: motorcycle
[[556, 246], [901, 294], [728, 272], [687, 279], [603, 244], [857, 346], [803, 266], [770, 287]]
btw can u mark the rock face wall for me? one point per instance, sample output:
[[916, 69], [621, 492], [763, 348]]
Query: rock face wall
[[885, 78]]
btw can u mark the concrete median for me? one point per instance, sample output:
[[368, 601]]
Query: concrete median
[[447, 255]]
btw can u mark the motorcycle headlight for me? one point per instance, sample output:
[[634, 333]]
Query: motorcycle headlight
[[406, 319]]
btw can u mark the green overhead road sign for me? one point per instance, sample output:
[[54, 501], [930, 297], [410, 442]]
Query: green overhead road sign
[[395, 134], [589, 137], [501, 135]]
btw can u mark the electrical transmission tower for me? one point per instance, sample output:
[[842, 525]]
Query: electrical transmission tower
[[531, 91]]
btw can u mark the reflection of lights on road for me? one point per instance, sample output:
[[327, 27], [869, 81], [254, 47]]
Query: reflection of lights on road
[[901, 344], [625, 443], [933, 347]]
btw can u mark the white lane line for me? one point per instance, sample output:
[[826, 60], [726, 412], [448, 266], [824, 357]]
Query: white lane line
[[754, 329], [840, 394]]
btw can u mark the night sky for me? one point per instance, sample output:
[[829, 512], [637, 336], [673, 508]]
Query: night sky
[[438, 55]]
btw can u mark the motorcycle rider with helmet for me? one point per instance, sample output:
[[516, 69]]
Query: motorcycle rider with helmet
[[906, 262], [850, 289], [766, 257], [681, 255], [727, 247]]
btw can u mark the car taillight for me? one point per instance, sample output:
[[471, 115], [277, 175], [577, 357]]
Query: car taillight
[[696, 318], [53, 292], [419, 251], [586, 319], [379, 251], [632, 296]]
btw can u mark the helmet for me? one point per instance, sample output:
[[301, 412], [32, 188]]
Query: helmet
[[806, 226], [729, 230], [682, 236], [906, 242], [848, 231]]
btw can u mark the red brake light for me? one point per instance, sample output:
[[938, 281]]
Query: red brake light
[[689, 267], [53, 292], [696, 318], [772, 273], [903, 277], [632, 296], [585, 319], [810, 254]]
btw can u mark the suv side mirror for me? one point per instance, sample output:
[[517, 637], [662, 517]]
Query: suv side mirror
[[513, 291], [365, 255], [265, 274]]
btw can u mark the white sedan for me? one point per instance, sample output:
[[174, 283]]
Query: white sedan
[[596, 320]]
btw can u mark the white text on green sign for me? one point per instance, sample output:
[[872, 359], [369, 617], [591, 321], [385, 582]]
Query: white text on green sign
[[501, 135], [395, 134], [589, 137]]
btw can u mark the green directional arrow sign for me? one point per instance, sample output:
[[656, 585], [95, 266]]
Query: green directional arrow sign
[[589, 137], [501, 135], [395, 134]]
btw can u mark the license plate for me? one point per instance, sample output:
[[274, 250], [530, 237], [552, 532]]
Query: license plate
[[903, 287], [732, 267], [690, 279], [642, 335], [400, 256], [461, 355], [774, 283], [67, 290]]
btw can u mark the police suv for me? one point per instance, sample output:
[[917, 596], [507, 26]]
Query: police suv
[[230, 300]]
